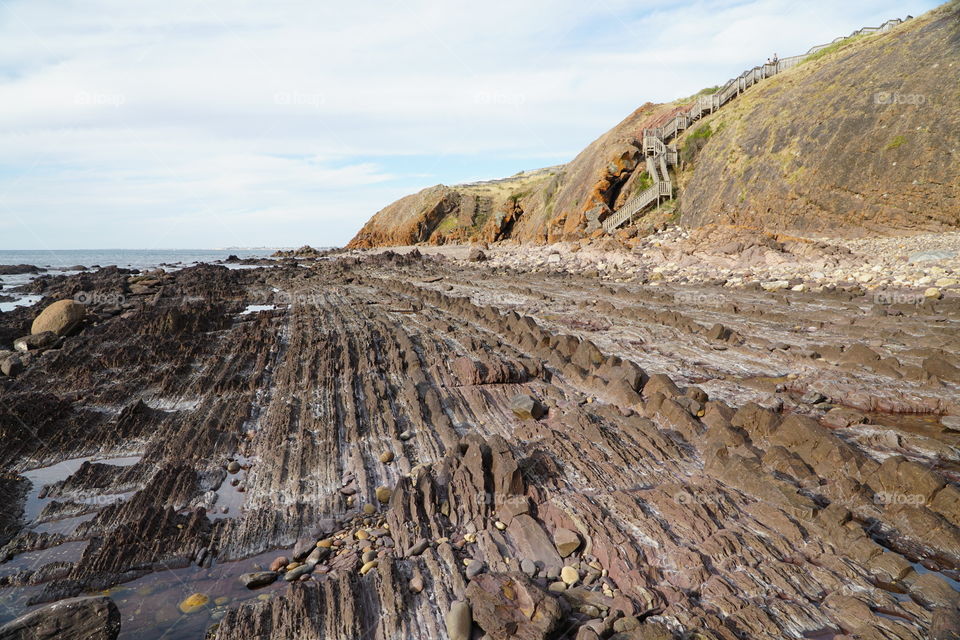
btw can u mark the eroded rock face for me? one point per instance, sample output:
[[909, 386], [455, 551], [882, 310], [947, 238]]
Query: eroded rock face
[[93, 618]]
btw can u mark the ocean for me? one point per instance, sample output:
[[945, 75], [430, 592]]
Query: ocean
[[58, 262]]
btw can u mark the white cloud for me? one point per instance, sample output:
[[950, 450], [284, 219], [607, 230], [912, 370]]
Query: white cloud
[[298, 119]]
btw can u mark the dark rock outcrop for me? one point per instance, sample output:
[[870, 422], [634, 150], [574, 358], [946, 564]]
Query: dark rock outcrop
[[90, 618]]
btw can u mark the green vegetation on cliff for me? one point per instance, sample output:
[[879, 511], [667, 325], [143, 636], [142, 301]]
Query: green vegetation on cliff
[[863, 135]]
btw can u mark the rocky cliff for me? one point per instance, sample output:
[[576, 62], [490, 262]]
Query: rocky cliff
[[863, 134], [864, 138], [546, 205]]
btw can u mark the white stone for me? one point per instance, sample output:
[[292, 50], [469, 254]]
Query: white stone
[[775, 285]]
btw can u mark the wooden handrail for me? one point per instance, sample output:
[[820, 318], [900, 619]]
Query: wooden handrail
[[655, 139]]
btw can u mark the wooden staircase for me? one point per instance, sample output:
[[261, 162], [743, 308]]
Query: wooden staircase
[[661, 154]]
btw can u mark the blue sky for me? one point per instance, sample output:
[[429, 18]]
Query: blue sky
[[202, 123]]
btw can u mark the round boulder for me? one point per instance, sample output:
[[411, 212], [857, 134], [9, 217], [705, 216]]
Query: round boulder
[[61, 317]]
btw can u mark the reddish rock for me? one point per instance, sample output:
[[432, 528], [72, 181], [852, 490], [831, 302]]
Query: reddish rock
[[510, 606]]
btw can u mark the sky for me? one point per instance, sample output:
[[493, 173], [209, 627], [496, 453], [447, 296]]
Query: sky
[[215, 123]]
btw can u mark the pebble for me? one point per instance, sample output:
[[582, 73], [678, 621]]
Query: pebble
[[557, 587], [233, 467], [589, 610], [475, 568], [416, 583], [373, 564], [419, 547], [279, 563], [297, 572], [569, 575], [194, 602], [459, 621], [386, 457], [528, 566], [317, 555]]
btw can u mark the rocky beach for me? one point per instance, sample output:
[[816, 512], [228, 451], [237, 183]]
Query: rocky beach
[[659, 437], [698, 381]]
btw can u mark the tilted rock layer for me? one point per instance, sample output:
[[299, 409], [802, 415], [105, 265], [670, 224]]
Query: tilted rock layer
[[754, 464]]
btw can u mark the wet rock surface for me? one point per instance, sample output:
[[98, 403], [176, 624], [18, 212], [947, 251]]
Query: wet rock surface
[[790, 474], [94, 618]]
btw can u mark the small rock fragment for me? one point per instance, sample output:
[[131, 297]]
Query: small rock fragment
[[566, 542], [527, 407]]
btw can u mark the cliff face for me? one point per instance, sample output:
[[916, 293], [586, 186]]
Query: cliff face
[[546, 205], [864, 138], [409, 220], [861, 137]]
